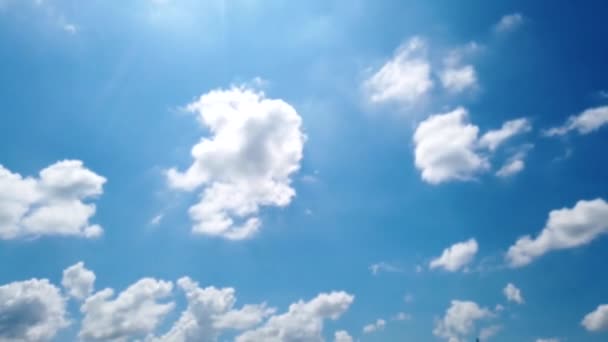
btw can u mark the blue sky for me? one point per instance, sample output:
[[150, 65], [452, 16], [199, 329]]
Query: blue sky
[[318, 171]]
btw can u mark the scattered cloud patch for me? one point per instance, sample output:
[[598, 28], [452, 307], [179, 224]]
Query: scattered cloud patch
[[494, 138], [342, 336], [78, 281], [70, 28], [548, 340], [597, 320], [586, 122], [52, 204], [565, 228], [456, 256], [509, 23], [255, 146], [378, 325], [459, 320], [513, 294], [402, 316], [458, 78], [489, 332], [385, 267]]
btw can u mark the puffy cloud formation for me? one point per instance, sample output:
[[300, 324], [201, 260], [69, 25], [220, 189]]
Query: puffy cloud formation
[[459, 320], [447, 146], [379, 324], [254, 147], [403, 79], [586, 122], [597, 320], [210, 312], [456, 256], [302, 322], [566, 228], [52, 204], [513, 294], [31, 310], [509, 22], [342, 336], [78, 281], [135, 313]]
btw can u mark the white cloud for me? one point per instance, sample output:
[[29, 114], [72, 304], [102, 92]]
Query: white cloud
[[210, 312], [597, 320], [494, 138], [489, 332], [509, 22], [456, 256], [302, 322], [402, 316], [255, 146], [447, 146], [78, 281], [513, 294], [135, 313], [586, 122], [459, 320], [511, 168], [379, 324], [52, 204], [566, 228], [384, 267], [405, 78], [156, 219], [342, 336], [31, 311], [547, 340], [457, 79]]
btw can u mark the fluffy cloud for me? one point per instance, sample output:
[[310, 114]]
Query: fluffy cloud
[[513, 294], [565, 228], [135, 313], [342, 336], [384, 267], [447, 146], [255, 146], [509, 22], [547, 340], [403, 79], [31, 310], [379, 324], [303, 321], [211, 311], [78, 281], [456, 256], [588, 121], [457, 79], [459, 320], [52, 204], [597, 320]]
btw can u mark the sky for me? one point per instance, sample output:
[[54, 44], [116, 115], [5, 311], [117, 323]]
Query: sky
[[280, 171]]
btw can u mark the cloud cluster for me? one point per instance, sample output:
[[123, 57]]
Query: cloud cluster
[[459, 320], [456, 256], [254, 147], [379, 324], [597, 320], [51, 204], [586, 122], [513, 294]]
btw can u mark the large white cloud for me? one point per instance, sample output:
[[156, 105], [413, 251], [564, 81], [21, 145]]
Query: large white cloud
[[405, 78], [302, 322], [456, 256], [254, 147], [52, 204], [586, 122], [447, 146], [210, 312], [134, 313], [459, 320], [31, 311], [513, 294], [565, 228], [78, 281], [597, 320]]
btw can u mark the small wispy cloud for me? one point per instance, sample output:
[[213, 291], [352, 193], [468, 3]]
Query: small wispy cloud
[[509, 23], [380, 267], [156, 220]]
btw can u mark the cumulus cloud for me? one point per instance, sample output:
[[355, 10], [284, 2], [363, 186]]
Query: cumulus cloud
[[379, 324], [52, 204], [380, 267], [342, 336], [403, 79], [210, 312], [586, 122], [597, 320], [447, 146], [459, 320], [303, 321], [31, 310], [513, 294], [509, 22], [78, 281], [565, 228], [255, 146], [134, 313], [456, 256]]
